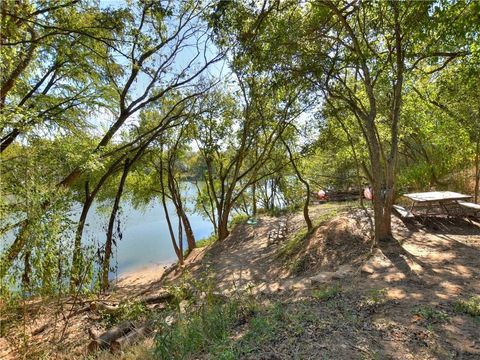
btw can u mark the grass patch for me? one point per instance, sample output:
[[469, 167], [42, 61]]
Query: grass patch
[[375, 297], [293, 244], [237, 328], [431, 315], [470, 306], [238, 219], [327, 293], [200, 331]]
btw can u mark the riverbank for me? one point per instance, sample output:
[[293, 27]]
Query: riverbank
[[306, 296]]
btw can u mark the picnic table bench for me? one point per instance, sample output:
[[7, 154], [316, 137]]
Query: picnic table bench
[[437, 202], [470, 207]]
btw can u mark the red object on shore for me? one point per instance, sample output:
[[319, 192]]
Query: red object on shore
[[367, 193], [321, 195]]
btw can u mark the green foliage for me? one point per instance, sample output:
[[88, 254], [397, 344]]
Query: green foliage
[[132, 311], [470, 306], [207, 241], [431, 315], [375, 297], [78, 100], [238, 219], [327, 292], [198, 332], [203, 325]]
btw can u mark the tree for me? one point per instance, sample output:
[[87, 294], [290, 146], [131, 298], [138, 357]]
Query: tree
[[235, 160], [357, 54], [142, 67]]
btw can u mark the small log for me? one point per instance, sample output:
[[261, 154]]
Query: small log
[[154, 299], [99, 306], [132, 337], [103, 341], [40, 329]]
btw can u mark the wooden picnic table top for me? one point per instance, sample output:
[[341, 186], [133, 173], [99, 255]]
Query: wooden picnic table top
[[436, 196]]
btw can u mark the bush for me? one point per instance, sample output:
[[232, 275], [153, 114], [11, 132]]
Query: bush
[[238, 219], [431, 315], [207, 241]]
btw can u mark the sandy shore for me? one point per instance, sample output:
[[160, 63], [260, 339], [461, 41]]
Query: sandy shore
[[142, 276]]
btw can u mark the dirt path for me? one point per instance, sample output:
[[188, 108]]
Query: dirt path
[[247, 258], [426, 271]]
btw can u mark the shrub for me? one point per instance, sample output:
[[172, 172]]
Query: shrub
[[207, 241], [238, 219]]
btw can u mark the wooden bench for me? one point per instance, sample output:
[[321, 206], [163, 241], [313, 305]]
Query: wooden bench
[[472, 207], [404, 213]]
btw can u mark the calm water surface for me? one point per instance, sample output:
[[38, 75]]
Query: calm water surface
[[145, 239]]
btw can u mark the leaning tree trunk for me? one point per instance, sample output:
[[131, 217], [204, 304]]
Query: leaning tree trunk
[[111, 223], [177, 250], [77, 261], [178, 203], [188, 231]]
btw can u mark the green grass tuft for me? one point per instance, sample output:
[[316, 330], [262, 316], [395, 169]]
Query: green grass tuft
[[470, 306], [431, 315], [327, 293]]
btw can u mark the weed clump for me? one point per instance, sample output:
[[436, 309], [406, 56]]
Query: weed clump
[[431, 315], [470, 306], [327, 293]]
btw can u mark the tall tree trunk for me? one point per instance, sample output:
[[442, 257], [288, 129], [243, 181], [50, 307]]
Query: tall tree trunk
[[306, 216], [391, 164], [223, 227], [111, 223], [254, 199], [477, 168]]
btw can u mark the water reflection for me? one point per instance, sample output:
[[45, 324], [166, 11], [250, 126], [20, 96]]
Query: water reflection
[[145, 240]]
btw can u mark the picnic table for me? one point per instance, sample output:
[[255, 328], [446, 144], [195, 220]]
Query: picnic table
[[435, 202]]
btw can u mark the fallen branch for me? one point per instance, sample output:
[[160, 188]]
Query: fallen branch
[[108, 309], [132, 337], [40, 329], [103, 341], [154, 299]]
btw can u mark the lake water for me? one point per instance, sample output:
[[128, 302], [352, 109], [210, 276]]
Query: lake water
[[145, 239]]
